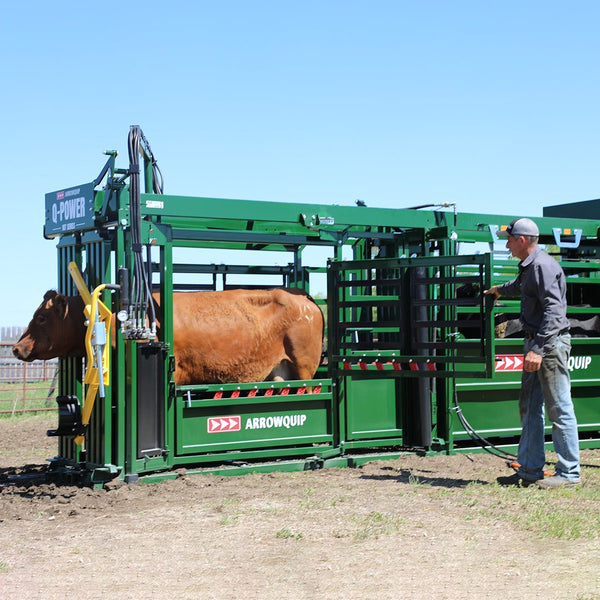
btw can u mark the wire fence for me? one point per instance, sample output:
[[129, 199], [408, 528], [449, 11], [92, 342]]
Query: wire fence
[[26, 387]]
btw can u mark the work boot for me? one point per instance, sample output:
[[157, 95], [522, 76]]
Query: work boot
[[516, 480], [556, 481]]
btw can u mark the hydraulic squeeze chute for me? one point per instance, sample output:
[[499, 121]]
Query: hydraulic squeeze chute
[[137, 314]]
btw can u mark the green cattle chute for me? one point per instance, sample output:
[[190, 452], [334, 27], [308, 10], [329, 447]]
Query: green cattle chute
[[411, 343]]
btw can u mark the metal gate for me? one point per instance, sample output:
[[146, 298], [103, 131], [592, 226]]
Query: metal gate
[[397, 329]]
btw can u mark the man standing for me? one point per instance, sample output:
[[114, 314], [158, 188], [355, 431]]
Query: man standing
[[547, 345]]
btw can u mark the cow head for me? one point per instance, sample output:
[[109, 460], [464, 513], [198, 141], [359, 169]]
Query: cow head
[[56, 329]]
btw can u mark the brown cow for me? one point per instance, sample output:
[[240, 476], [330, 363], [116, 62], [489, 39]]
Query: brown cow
[[218, 337]]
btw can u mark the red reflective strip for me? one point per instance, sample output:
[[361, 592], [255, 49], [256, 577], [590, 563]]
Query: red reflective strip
[[413, 366], [218, 395], [396, 365], [362, 364], [252, 393], [284, 391], [379, 365], [235, 394], [347, 365], [431, 366], [269, 392], [301, 390], [317, 389]]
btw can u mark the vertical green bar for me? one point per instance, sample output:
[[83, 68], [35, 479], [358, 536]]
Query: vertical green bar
[[488, 311], [130, 424], [333, 348], [148, 176], [70, 382], [119, 377], [166, 291]]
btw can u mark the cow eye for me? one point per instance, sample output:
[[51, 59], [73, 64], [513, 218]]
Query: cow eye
[[41, 320]]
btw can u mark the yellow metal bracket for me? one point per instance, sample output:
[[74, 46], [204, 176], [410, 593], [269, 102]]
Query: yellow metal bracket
[[97, 345], [80, 283]]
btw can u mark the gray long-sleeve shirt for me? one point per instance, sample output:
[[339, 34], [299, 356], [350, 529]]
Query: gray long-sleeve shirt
[[542, 287]]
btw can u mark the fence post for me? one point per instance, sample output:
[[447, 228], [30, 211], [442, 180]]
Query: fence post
[[24, 388]]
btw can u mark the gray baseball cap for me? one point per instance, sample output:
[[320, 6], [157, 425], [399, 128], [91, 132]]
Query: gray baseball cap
[[522, 226]]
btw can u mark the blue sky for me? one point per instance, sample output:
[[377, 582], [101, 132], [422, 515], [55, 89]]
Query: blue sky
[[492, 105]]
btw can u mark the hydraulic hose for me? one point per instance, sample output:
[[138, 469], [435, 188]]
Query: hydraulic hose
[[141, 289]]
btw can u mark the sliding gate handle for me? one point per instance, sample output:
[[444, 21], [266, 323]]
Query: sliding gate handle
[[557, 231]]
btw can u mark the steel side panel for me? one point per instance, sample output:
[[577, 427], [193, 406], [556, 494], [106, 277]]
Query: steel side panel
[[492, 407], [372, 411], [261, 425]]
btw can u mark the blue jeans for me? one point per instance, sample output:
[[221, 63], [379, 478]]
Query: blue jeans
[[550, 386]]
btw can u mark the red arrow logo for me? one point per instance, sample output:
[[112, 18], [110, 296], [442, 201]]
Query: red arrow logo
[[509, 362], [220, 424]]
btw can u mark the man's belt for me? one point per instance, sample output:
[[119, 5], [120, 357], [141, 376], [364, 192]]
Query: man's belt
[[529, 334]]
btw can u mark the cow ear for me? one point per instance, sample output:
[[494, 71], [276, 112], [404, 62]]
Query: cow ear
[[49, 295], [61, 305]]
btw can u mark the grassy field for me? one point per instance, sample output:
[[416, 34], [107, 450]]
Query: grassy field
[[568, 513]]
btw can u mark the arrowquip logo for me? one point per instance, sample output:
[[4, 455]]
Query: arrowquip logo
[[514, 362], [509, 362], [234, 423], [273, 422], [577, 363], [221, 424]]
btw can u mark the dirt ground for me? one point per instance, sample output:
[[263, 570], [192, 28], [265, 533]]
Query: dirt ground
[[416, 528]]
